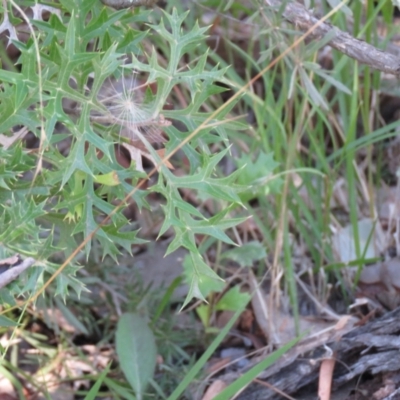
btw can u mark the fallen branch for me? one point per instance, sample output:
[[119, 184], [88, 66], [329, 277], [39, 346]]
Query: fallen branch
[[359, 50], [14, 270], [121, 4]]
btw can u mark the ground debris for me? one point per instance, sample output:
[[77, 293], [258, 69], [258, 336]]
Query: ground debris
[[370, 350]]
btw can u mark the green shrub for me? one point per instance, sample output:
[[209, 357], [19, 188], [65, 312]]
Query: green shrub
[[63, 193]]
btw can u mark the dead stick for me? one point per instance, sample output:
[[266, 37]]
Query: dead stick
[[359, 50], [13, 273], [120, 4]]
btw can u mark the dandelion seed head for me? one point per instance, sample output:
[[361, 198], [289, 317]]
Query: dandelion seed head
[[126, 106]]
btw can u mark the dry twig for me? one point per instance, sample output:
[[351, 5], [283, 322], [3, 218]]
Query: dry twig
[[359, 50], [120, 4], [15, 270]]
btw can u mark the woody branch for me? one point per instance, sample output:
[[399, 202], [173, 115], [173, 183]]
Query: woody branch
[[304, 19]]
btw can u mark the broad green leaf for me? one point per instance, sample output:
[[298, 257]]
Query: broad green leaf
[[233, 299], [136, 350]]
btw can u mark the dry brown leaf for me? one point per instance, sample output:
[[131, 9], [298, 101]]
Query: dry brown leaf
[[7, 141], [161, 153], [384, 392], [343, 323], [382, 282], [216, 365], [255, 340], [5, 396], [260, 306], [136, 155], [137, 151], [223, 318], [10, 261], [246, 321], [215, 388], [6, 389], [280, 325], [98, 357], [371, 241], [57, 317], [386, 273]]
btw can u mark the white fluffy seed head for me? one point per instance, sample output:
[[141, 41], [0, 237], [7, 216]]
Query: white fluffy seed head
[[124, 101]]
